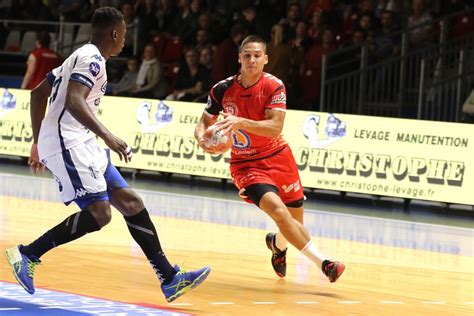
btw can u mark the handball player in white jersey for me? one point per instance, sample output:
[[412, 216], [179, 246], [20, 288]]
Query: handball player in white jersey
[[65, 142]]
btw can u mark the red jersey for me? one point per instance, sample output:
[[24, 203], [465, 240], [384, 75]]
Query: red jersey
[[231, 97], [46, 60]]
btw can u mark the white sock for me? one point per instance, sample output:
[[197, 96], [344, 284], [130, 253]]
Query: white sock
[[280, 241], [313, 254]]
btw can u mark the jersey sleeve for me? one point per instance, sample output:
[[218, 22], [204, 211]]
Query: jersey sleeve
[[87, 69], [51, 76], [214, 101], [277, 96]]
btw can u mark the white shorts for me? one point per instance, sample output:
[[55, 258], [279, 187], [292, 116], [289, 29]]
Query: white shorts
[[79, 172]]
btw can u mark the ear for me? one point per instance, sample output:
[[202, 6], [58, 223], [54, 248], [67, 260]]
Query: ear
[[114, 34], [239, 59], [266, 59]]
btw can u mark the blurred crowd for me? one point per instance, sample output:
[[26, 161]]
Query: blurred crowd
[[185, 46]]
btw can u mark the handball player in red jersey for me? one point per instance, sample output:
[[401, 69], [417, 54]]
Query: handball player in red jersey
[[262, 166]]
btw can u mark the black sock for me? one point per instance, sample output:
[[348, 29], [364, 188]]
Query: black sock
[[73, 227], [143, 231]]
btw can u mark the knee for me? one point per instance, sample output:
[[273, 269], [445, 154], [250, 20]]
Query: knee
[[104, 217], [133, 204], [281, 216]]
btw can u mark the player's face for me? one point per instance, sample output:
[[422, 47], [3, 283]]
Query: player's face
[[252, 59], [119, 39]]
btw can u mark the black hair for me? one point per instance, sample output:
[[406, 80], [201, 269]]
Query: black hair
[[253, 39], [106, 17], [44, 38]]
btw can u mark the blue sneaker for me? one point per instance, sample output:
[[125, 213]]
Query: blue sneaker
[[183, 282], [23, 267]]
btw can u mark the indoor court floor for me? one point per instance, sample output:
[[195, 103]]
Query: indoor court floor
[[402, 264]]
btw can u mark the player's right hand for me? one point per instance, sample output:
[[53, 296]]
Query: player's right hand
[[33, 161], [202, 142], [119, 146]]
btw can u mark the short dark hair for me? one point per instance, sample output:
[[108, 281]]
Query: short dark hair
[[106, 17], [253, 39], [44, 38]]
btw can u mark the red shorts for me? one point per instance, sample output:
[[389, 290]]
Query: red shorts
[[279, 170]]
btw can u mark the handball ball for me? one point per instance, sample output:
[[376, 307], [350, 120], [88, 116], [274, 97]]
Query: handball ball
[[217, 140]]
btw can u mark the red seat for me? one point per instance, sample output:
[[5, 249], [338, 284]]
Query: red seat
[[159, 42], [173, 50]]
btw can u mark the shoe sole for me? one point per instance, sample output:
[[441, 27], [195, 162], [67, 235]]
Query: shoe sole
[[337, 273], [188, 288], [16, 275]]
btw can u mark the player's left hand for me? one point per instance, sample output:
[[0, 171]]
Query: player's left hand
[[229, 123], [33, 161]]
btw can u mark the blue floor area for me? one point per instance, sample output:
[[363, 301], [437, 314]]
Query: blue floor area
[[14, 301], [371, 230]]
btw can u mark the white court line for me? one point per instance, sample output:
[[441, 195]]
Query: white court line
[[433, 302], [391, 302], [180, 304], [222, 303], [469, 303], [304, 303], [263, 303], [349, 302], [10, 309]]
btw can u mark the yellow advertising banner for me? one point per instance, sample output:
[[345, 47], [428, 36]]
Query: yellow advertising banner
[[384, 156], [373, 155]]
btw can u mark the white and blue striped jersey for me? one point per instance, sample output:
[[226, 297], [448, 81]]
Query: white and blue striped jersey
[[59, 129]]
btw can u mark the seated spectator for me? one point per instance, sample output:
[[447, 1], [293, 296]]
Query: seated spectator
[[145, 10], [393, 6], [201, 40], [129, 18], [420, 35], [129, 79], [40, 61], [184, 26], [150, 78], [71, 9], [254, 23], [192, 81], [204, 22], [205, 57], [226, 54], [310, 73], [315, 29], [166, 14], [293, 16], [279, 55], [387, 45], [317, 5]]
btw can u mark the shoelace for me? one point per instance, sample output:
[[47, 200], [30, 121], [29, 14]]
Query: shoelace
[[31, 267]]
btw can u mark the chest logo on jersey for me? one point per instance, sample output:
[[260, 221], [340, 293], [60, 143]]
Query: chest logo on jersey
[[279, 98], [94, 68], [231, 108], [240, 139]]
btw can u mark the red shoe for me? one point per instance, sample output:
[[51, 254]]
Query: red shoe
[[278, 257], [333, 269]]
